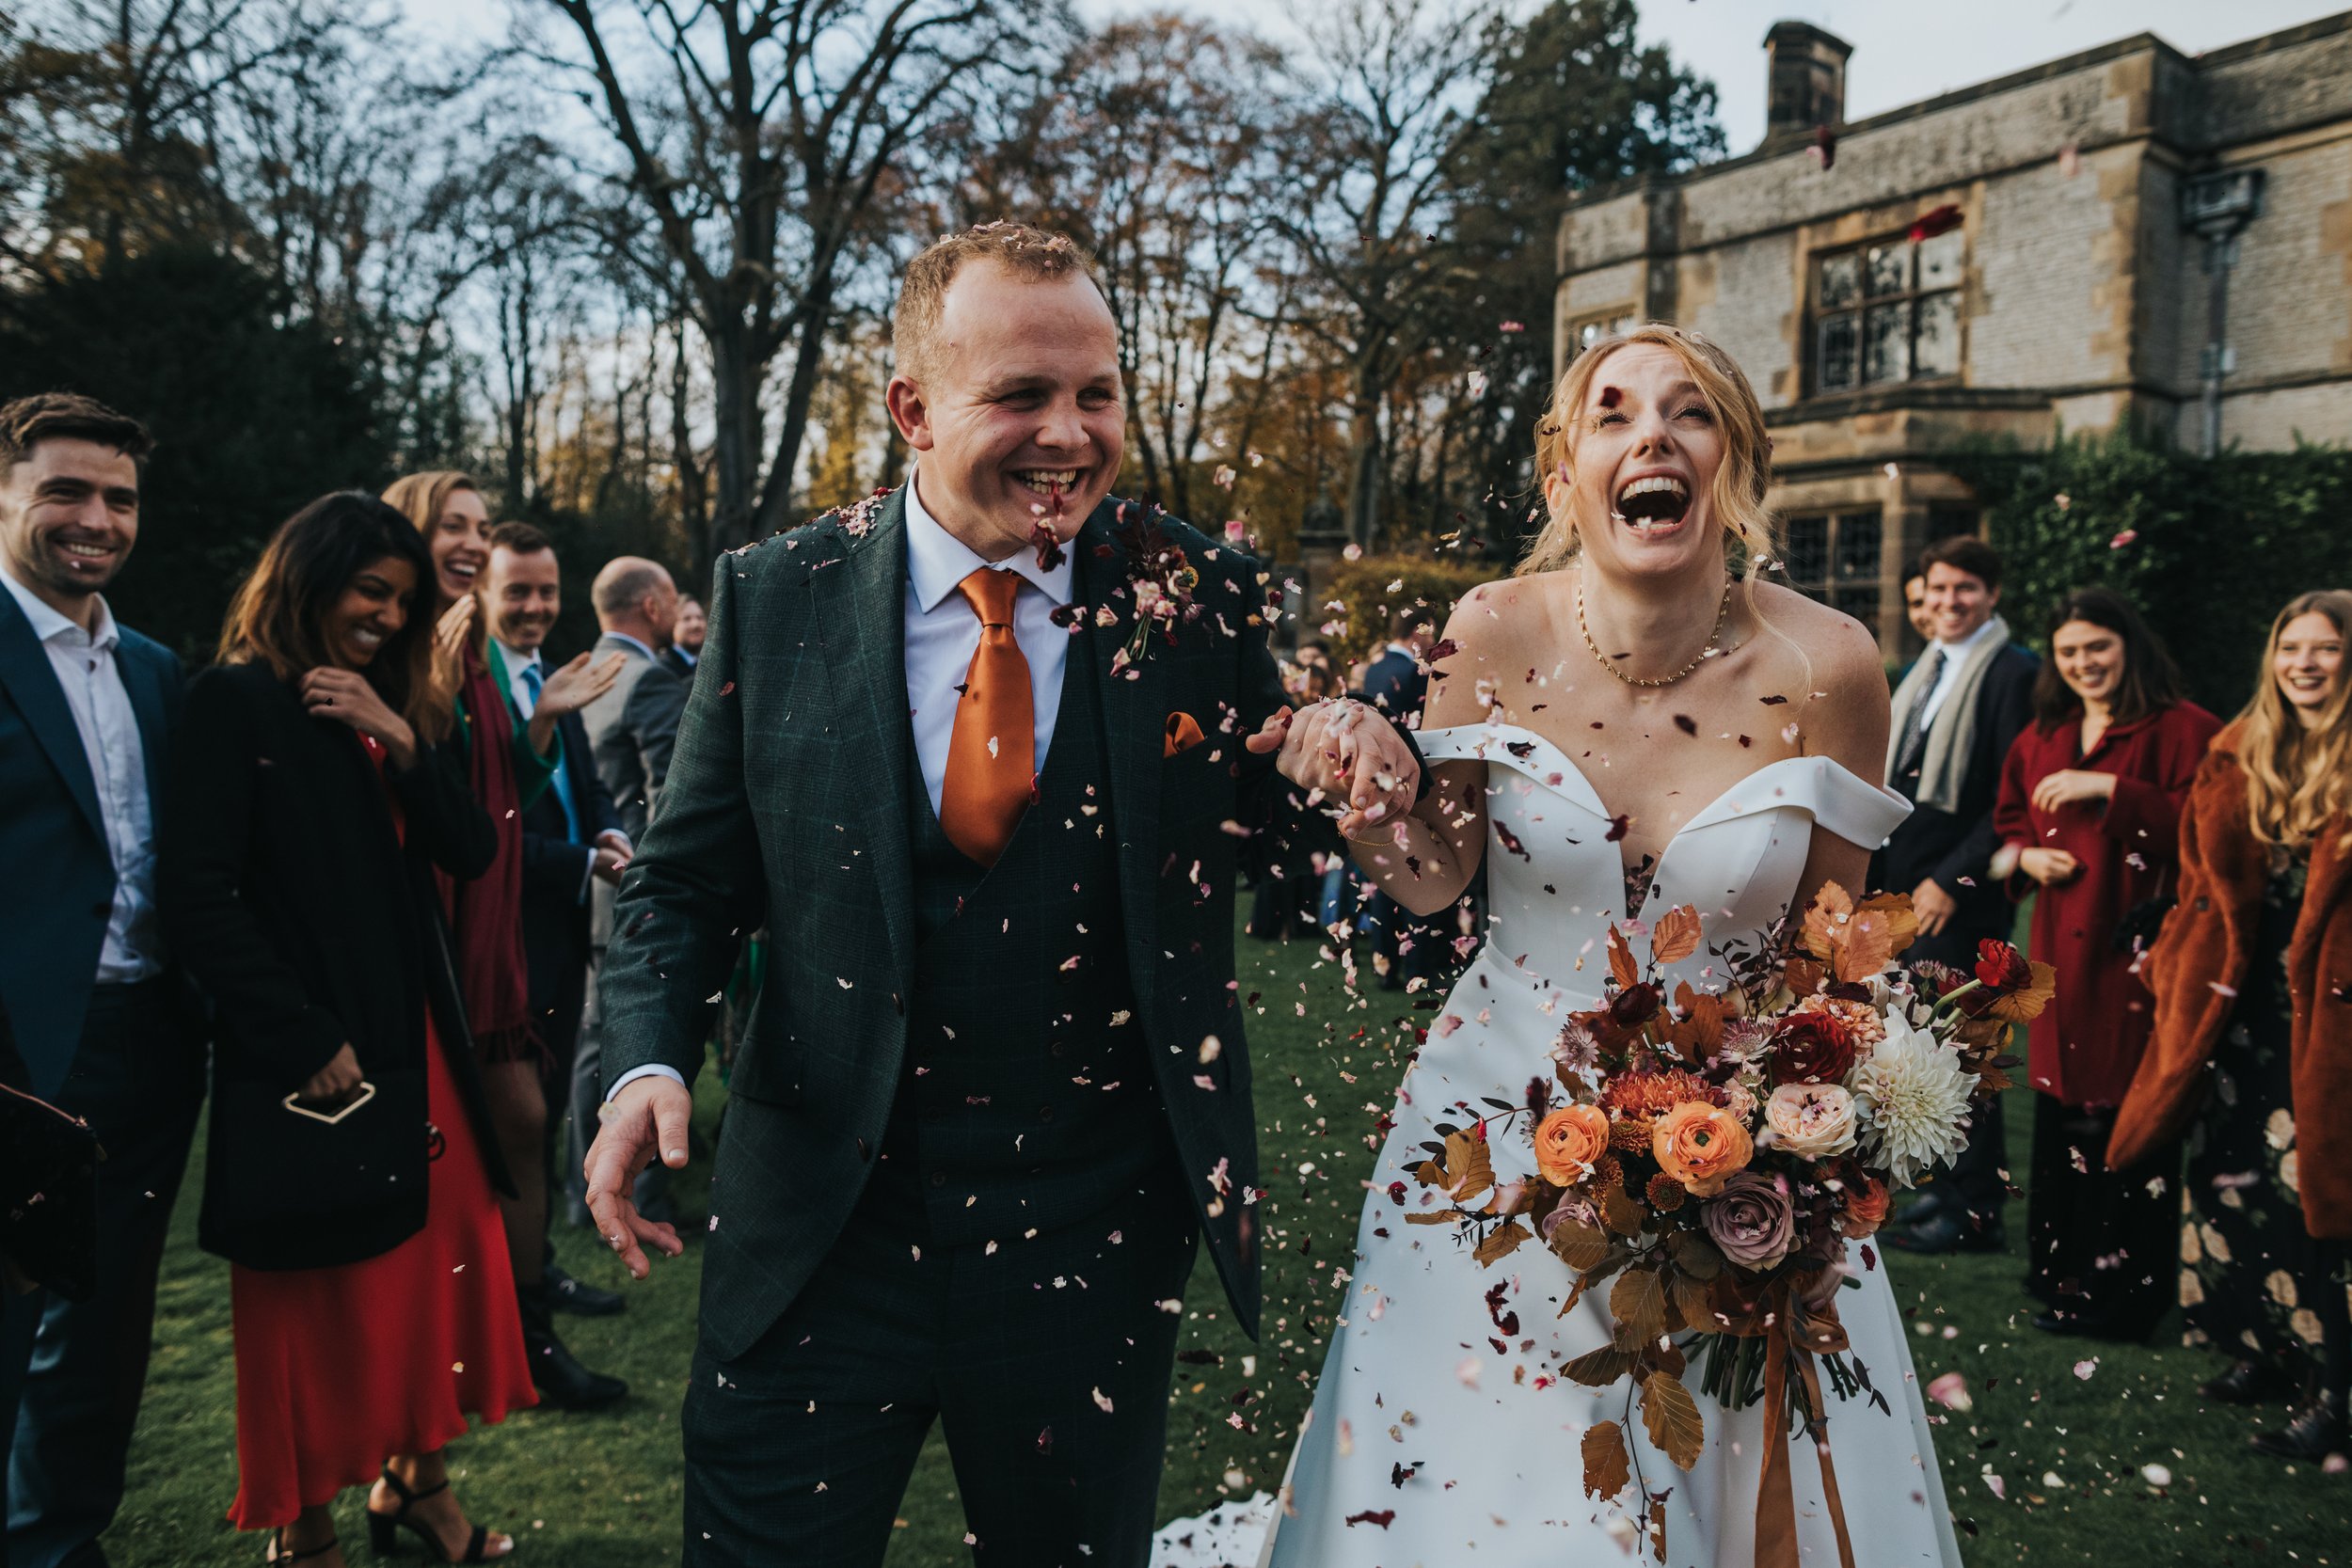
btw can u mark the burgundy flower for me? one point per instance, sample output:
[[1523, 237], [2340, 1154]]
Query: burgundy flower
[[2001, 968], [1812, 1048]]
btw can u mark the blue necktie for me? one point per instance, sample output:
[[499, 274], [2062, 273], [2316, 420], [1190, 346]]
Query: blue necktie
[[534, 678]]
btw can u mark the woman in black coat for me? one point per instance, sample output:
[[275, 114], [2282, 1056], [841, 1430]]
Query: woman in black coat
[[350, 1169]]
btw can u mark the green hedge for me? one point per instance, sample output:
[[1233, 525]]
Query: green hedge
[[2208, 548]]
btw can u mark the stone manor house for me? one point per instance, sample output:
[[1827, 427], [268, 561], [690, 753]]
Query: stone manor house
[[2129, 232]]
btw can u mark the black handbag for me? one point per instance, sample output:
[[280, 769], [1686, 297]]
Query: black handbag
[[288, 1186], [48, 1195]]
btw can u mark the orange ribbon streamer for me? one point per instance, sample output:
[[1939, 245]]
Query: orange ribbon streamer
[[1776, 1492]]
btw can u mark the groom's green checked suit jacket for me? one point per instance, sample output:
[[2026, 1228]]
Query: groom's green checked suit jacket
[[786, 804]]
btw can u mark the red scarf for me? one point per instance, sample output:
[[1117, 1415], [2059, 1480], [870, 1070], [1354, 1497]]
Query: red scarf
[[486, 914]]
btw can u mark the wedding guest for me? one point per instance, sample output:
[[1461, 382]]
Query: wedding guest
[[315, 804], [634, 727], [1956, 715], [102, 1026], [1916, 601], [2251, 1054], [2089, 816], [686, 637], [510, 762], [1404, 947], [572, 839]]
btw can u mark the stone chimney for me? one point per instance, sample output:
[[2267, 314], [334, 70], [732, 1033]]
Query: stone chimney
[[1805, 85]]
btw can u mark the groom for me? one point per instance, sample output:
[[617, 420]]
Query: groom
[[995, 1087]]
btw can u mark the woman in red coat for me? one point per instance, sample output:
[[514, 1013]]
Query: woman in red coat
[[2088, 812], [2252, 1047]]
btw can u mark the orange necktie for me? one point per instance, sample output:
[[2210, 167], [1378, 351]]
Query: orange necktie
[[992, 752]]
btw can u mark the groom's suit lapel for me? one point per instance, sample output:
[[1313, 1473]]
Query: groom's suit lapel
[[1134, 719], [862, 614]]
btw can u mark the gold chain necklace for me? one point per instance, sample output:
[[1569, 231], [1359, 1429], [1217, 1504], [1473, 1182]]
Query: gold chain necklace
[[1723, 613]]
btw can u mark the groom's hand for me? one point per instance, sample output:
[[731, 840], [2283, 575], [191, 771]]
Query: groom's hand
[[1351, 753], [647, 1117]]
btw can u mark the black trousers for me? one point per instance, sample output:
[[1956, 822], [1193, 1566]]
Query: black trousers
[[137, 1078], [1047, 1361], [2102, 1245]]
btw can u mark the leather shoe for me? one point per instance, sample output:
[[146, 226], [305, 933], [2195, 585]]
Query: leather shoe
[[2245, 1382], [581, 1300], [1926, 1204], [2316, 1432], [563, 1383], [1949, 1232], [2087, 1325]]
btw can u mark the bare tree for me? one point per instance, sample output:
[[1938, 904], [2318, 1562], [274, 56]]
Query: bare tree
[[1370, 226], [755, 135]]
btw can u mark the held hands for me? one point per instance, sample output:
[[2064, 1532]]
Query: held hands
[[1348, 751], [345, 696], [646, 1117], [2072, 786], [612, 855], [2049, 866], [1933, 906]]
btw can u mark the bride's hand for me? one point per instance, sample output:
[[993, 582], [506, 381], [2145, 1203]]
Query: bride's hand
[[1351, 754]]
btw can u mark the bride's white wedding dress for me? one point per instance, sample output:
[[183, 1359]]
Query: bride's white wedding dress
[[1431, 1441]]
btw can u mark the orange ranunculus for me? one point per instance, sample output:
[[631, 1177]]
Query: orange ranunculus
[[1867, 1201], [1700, 1146], [1569, 1141]]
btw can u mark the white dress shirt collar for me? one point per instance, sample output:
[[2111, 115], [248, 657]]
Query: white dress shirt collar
[[48, 624], [937, 560]]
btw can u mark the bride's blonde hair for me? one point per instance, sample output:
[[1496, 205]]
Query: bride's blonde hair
[[1736, 496], [2297, 780]]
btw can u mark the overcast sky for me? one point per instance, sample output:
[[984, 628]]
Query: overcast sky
[[1904, 50]]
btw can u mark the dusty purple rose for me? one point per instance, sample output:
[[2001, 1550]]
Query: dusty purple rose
[[1752, 1220]]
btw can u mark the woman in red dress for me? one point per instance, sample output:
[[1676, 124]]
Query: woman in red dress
[[2089, 816], [316, 790]]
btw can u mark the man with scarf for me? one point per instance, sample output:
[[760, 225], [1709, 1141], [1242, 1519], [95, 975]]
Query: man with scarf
[[1956, 713]]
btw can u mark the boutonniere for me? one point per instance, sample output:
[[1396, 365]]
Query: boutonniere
[[1161, 578]]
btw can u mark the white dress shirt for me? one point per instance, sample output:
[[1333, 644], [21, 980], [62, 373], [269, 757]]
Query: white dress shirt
[[1955, 653], [943, 634], [109, 728]]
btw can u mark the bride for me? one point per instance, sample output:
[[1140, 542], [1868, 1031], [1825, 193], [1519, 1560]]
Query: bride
[[1627, 725]]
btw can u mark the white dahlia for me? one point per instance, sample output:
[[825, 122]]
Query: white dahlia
[[1913, 1094]]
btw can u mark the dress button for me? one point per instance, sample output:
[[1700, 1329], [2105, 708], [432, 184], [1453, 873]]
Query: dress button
[[939, 1178], [1044, 1113]]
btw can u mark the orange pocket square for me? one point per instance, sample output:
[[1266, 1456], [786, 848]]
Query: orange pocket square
[[1183, 733]]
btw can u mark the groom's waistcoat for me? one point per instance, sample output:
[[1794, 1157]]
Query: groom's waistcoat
[[1026, 1099]]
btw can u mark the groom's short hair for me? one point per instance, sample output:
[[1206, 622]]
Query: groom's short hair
[[1032, 255]]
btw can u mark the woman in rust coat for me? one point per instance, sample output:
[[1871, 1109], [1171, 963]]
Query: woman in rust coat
[[2088, 812], [2251, 1054]]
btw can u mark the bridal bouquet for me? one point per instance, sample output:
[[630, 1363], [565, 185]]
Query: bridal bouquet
[[1706, 1156]]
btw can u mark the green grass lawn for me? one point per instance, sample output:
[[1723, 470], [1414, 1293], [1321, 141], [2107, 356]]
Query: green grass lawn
[[603, 1491]]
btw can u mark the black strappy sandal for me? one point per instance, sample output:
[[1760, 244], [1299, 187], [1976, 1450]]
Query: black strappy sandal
[[384, 1529], [278, 1552]]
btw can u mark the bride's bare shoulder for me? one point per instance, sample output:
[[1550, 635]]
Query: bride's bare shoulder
[[1828, 667], [1497, 625]]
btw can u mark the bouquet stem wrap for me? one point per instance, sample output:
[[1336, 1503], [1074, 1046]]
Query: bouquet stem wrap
[[1776, 1493]]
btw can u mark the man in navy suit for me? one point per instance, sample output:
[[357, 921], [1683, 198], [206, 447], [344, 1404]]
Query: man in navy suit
[[100, 1025], [1397, 684], [572, 838]]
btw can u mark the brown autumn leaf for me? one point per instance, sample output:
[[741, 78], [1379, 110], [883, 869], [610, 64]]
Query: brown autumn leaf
[[1606, 1466], [1803, 975], [1622, 968], [1868, 946], [1675, 936], [1638, 1301], [1672, 1419], [1502, 1241], [1700, 1029], [1694, 1255], [1658, 1525], [1902, 925], [1825, 918], [1598, 1369], [1619, 1213], [2022, 1007], [1440, 1216], [1469, 1170], [1695, 1301], [1578, 1245]]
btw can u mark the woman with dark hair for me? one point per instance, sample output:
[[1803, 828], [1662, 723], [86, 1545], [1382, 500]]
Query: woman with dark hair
[[2089, 819], [486, 914], [316, 794], [2252, 1049]]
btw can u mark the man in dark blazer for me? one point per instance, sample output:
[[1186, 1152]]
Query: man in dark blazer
[[1956, 713], [1404, 947], [572, 841], [996, 1084], [102, 1024], [632, 729]]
